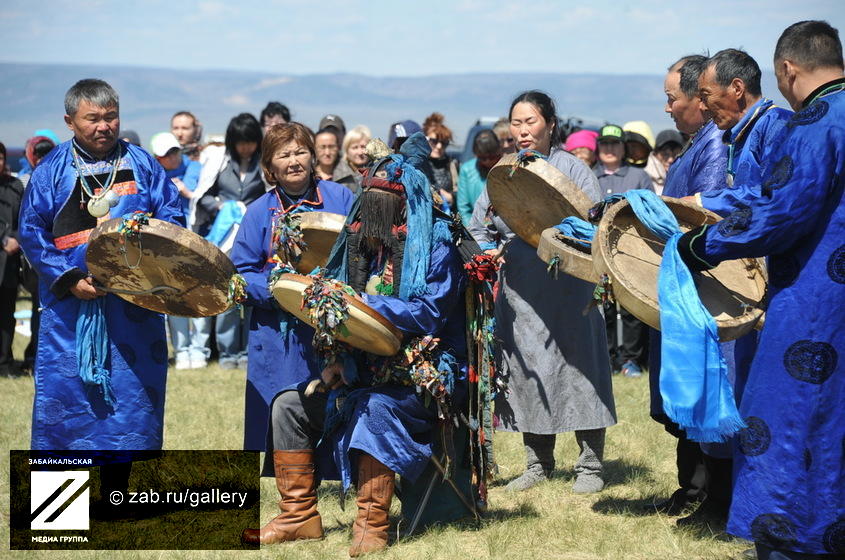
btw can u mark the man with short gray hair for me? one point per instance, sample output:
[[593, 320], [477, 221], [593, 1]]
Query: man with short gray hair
[[79, 184], [730, 89]]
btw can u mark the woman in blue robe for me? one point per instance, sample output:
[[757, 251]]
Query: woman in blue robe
[[280, 352], [378, 419], [54, 233], [789, 492]]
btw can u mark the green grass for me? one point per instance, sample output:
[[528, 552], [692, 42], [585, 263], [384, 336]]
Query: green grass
[[204, 410]]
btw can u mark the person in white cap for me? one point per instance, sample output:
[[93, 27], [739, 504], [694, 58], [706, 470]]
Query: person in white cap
[[184, 173]]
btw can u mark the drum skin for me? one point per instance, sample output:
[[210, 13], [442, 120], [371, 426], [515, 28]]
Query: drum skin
[[621, 251], [319, 231], [574, 261], [166, 255], [537, 196], [368, 329]]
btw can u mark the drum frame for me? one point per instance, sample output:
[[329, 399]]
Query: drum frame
[[153, 282], [570, 261], [391, 337], [643, 306], [515, 193]]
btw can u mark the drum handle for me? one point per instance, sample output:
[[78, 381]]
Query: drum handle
[[153, 290]]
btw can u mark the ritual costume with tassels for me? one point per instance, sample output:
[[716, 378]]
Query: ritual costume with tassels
[[118, 404], [789, 490], [280, 352], [399, 254], [552, 356]]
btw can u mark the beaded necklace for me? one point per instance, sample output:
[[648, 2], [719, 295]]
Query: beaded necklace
[[100, 203]]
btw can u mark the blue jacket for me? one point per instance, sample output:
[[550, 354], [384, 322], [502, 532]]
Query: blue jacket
[[760, 127], [277, 360], [789, 484], [66, 415], [189, 172], [700, 167]]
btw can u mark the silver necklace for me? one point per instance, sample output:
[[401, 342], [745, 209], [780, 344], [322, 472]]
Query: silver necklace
[[100, 203]]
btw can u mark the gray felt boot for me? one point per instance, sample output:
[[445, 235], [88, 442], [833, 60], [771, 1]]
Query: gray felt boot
[[588, 468], [540, 461]]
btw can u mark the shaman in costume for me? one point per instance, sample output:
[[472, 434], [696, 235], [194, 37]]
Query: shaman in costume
[[280, 352], [403, 263], [789, 492], [82, 182]]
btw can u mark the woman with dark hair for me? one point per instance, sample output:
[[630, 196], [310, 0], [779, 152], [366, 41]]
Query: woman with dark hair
[[472, 177], [278, 359], [445, 168], [274, 113], [552, 355], [231, 173], [327, 152], [11, 191], [37, 148], [281, 355]]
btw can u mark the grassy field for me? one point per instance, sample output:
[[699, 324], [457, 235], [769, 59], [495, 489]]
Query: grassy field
[[204, 410]]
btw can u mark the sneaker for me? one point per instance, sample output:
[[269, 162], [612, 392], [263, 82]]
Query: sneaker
[[631, 369], [183, 362], [242, 363], [198, 363], [228, 364]]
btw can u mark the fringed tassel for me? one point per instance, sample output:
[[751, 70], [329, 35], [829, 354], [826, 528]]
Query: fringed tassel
[[92, 345]]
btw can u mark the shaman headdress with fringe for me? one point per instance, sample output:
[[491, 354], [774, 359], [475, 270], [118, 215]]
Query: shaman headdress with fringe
[[405, 171]]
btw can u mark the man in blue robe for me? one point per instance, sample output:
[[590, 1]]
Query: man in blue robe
[[789, 491], [699, 168], [61, 206], [730, 89], [402, 261]]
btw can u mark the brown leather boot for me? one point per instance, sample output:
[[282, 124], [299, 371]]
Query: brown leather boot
[[375, 490], [297, 486]]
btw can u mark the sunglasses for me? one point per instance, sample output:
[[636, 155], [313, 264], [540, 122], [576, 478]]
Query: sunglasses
[[435, 141]]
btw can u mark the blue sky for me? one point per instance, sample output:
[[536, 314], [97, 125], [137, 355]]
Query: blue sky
[[399, 38]]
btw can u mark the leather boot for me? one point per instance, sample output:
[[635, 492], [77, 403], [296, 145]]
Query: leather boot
[[297, 485], [375, 490]]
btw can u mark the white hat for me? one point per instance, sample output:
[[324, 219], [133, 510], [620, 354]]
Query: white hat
[[163, 142]]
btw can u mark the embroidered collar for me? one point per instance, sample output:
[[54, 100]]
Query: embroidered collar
[[829, 87], [87, 155], [311, 197], [736, 134]]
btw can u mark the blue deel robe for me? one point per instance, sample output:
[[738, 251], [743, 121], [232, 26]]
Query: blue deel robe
[[277, 361], [760, 127], [789, 468], [747, 141], [64, 414], [700, 168], [392, 422], [189, 172]]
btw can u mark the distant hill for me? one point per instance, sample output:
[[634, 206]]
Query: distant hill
[[31, 97]]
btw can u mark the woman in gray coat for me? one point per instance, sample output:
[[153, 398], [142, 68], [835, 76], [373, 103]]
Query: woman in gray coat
[[552, 356]]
